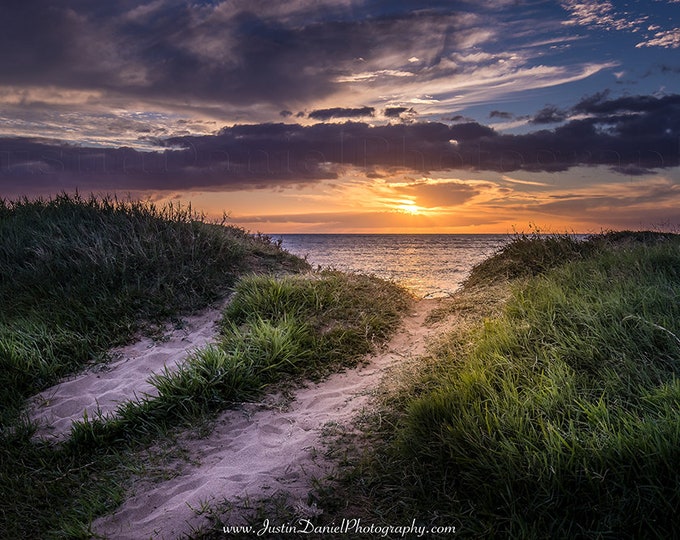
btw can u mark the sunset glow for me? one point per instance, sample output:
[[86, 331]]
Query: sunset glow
[[410, 207], [351, 116]]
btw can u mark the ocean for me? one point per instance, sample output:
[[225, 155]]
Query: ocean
[[430, 265]]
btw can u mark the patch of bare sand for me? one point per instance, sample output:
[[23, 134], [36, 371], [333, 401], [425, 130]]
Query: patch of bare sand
[[104, 386], [262, 450]]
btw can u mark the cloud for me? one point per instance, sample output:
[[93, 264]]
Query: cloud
[[549, 115], [234, 52], [439, 195], [361, 221], [599, 104], [242, 62], [631, 135], [646, 124], [665, 68], [397, 112], [340, 112], [663, 195], [600, 14], [667, 39], [501, 114]]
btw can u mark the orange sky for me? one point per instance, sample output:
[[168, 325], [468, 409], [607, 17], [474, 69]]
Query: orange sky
[[582, 200]]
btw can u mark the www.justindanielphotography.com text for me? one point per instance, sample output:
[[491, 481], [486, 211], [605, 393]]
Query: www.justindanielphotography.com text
[[346, 526]]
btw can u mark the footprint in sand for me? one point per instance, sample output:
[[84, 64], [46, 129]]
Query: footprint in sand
[[333, 397]]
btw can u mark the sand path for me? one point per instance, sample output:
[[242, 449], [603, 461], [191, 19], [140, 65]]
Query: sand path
[[261, 449], [104, 386]]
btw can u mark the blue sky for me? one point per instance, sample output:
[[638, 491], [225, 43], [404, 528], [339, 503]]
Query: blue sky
[[313, 115]]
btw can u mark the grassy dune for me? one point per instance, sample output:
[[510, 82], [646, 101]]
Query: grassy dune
[[554, 414], [78, 276]]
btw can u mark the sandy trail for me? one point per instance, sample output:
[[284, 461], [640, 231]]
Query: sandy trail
[[261, 449], [105, 386]]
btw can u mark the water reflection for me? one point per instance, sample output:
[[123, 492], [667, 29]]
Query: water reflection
[[430, 265]]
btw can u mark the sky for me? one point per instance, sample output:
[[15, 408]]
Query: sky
[[351, 116]]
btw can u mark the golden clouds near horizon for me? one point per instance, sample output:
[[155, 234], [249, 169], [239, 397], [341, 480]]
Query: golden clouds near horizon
[[586, 199]]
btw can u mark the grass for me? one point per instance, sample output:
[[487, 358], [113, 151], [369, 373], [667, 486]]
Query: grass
[[551, 410], [273, 330], [78, 276], [557, 416], [529, 255]]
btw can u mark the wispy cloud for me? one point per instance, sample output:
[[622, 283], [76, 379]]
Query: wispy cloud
[[601, 14], [246, 61], [668, 39]]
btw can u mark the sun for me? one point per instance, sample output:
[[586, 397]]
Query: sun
[[408, 206]]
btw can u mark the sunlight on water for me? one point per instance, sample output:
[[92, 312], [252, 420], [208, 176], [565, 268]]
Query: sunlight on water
[[430, 265]]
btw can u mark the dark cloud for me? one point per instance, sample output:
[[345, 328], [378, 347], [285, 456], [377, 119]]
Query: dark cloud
[[501, 114], [665, 68], [632, 136], [631, 169], [340, 112], [396, 112], [646, 125], [28, 166], [470, 131], [549, 115], [37, 42], [236, 53], [588, 102], [598, 104], [457, 118]]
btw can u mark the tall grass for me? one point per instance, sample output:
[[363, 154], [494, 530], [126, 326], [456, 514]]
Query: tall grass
[[557, 418], [529, 255], [78, 275], [346, 313], [301, 326]]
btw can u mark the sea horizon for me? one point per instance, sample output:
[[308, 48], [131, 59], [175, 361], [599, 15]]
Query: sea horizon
[[430, 265]]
